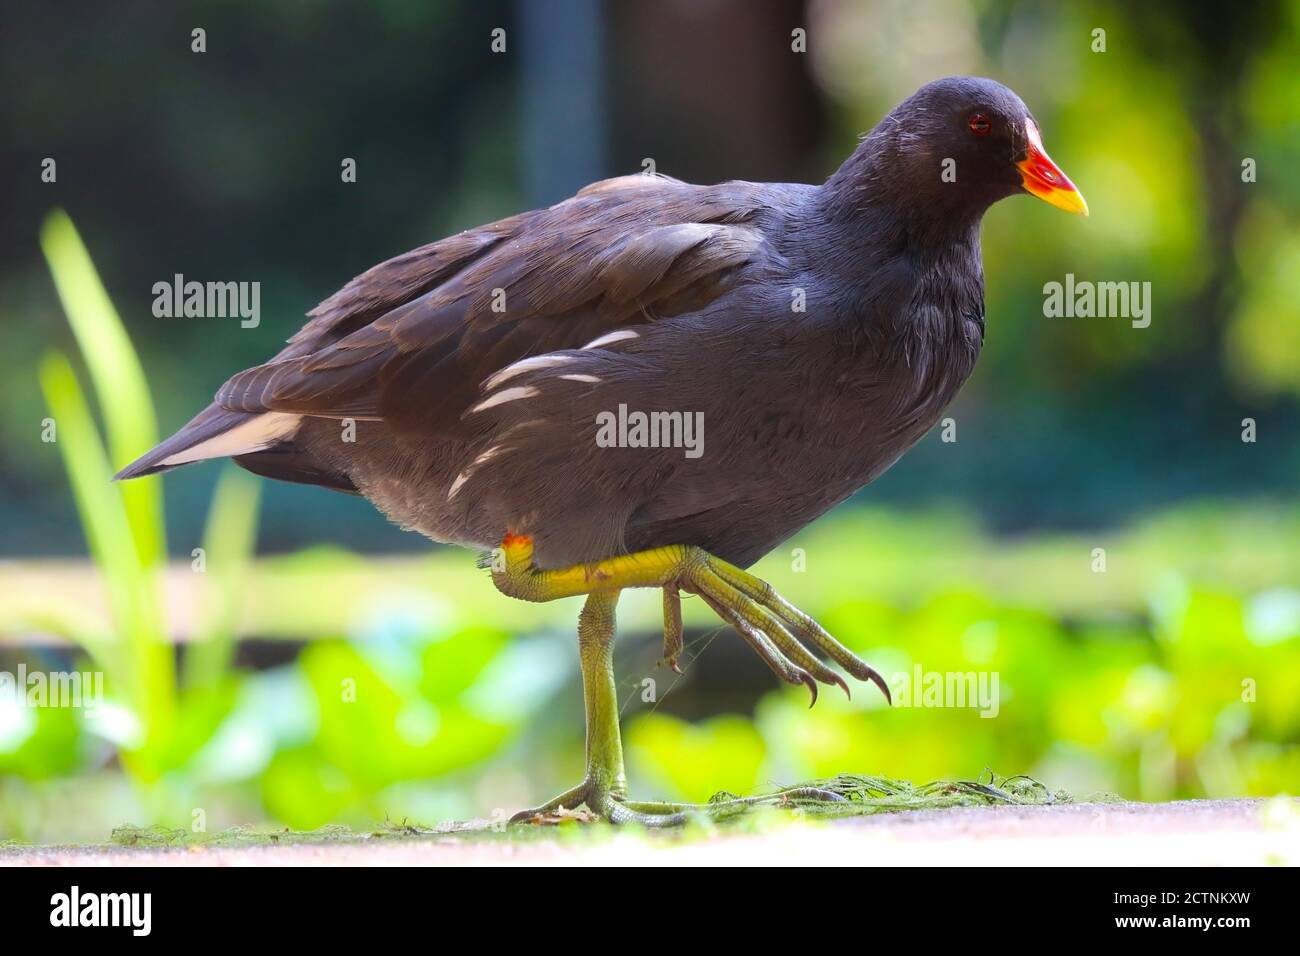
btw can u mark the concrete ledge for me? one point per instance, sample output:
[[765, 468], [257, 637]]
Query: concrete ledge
[[1188, 833]]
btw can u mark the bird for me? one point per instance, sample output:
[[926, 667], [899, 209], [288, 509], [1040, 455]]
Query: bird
[[652, 384]]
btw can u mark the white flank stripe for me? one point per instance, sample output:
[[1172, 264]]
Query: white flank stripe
[[455, 485], [490, 453], [580, 378], [464, 476], [509, 395], [524, 365], [611, 338]]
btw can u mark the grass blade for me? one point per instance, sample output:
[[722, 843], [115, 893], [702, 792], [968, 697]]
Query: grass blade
[[116, 374], [141, 663]]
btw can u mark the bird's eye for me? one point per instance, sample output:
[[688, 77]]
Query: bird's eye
[[979, 124]]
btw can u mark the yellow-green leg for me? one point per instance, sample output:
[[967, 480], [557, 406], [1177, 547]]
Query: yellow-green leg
[[605, 783], [771, 625]]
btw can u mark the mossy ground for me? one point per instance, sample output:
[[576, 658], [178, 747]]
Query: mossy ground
[[862, 796]]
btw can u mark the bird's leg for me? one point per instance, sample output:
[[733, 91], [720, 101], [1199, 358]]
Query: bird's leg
[[778, 631], [596, 626], [604, 789], [605, 784], [771, 625]]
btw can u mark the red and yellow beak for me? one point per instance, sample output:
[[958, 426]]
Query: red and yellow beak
[[1044, 179]]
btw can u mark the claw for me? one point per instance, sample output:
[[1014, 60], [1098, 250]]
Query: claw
[[875, 678], [812, 687], [843, 685]]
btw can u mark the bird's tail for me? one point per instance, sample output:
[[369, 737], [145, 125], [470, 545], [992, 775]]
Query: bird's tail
[[215, 432]]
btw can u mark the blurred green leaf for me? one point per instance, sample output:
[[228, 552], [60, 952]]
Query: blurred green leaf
[[694, 761], [39, 742], [451, 666], [378, 735], [304, 791], [228, 545]]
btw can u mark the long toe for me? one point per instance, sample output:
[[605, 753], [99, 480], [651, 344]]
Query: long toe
[[801, 625], [777, 630], [568, 800]]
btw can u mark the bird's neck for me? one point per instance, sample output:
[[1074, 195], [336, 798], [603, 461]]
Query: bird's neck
[[905, 256], [893, 249], [894, 199]]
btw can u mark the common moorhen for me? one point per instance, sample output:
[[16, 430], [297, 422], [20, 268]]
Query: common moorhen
[[652, 384]]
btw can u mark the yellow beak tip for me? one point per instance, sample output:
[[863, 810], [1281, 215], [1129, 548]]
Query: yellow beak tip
[[1071, 200]]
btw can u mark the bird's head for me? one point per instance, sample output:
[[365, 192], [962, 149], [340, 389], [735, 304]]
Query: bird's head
[[959, 145]]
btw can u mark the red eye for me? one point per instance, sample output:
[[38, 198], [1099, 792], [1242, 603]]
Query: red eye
[[979, 124]]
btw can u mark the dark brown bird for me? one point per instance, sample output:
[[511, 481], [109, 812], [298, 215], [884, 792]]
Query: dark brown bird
[[652, 384]]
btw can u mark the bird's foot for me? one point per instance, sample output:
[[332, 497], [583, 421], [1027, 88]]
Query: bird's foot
[[766, 619], [778, 631], [659, 815], [570, 799], [601, 801]]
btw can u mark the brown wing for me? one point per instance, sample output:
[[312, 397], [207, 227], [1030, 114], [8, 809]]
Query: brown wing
[[411, 340]]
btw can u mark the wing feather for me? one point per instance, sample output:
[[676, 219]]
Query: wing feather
[[412, 340]]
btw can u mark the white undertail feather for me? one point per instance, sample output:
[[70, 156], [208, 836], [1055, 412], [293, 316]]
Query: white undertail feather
[[253, 435]]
